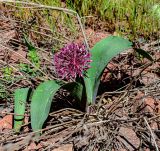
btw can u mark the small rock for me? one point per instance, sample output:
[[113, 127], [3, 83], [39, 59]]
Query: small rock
[[146, 104], [6, 122], [130, 137], [154, 126], [149, 78], [149, 102]]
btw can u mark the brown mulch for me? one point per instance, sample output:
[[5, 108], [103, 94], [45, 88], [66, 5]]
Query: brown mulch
[[120, 120]]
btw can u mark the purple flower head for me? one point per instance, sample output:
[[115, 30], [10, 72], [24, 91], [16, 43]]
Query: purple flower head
[[72, 61]]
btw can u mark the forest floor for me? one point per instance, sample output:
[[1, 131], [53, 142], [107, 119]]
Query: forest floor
[[126, 115]]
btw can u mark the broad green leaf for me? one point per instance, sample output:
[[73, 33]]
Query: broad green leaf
[[144, 54], [41, 103], [20, 98], [102, 53]]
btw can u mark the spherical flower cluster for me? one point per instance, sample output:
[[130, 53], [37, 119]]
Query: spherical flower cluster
[[72, 61]]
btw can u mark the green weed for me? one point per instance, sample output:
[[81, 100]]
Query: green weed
[[134, 17], [3, 92], [7, 73], [33, 57]]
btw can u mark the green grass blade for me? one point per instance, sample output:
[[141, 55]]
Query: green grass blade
[[102, 53], [144, 54], [20, 98], [29, 44]]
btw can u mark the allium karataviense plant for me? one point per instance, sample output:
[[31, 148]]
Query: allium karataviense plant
[[71, 62]]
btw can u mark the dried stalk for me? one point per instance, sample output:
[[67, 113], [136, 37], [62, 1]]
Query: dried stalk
[[54, 8]]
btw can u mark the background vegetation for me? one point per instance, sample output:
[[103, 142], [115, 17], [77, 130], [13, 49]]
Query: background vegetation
[[136, 17]]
